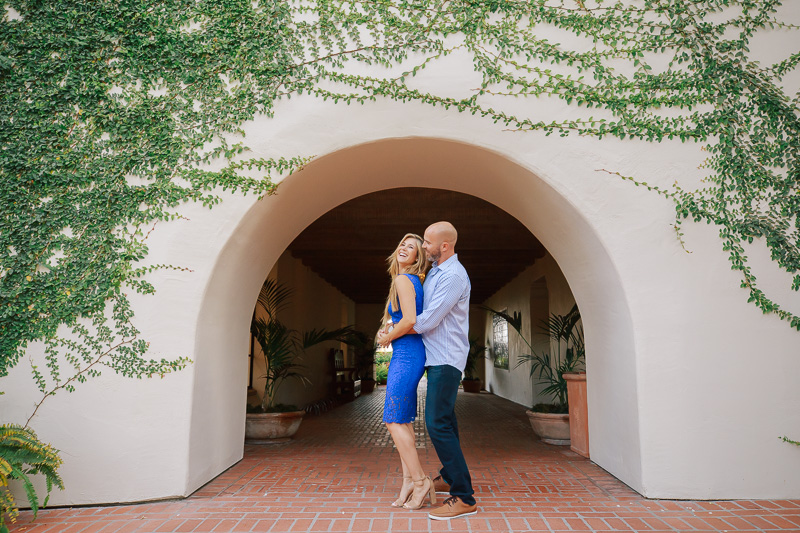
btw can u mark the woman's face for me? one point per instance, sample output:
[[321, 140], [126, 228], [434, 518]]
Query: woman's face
[[407, 252]]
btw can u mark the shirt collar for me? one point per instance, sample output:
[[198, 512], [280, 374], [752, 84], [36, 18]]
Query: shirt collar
[[450, 262]]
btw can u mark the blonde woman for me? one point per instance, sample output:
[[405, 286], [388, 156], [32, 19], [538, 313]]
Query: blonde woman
[[407, 266]]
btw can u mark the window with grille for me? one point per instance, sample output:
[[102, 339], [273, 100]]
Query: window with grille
[[500, 341]]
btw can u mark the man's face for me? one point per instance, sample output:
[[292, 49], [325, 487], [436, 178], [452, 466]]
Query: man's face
[[432, 244]]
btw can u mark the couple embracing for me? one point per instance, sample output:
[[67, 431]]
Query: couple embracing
[[427, 326]]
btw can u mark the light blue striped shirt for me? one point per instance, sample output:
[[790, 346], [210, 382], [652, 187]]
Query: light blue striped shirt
[[444, 322]]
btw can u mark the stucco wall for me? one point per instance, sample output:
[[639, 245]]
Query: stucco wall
[[368, 316], [675, 408], [694, 343], [538, 291]]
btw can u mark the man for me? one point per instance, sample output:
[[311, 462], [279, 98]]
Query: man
[[444, 325]]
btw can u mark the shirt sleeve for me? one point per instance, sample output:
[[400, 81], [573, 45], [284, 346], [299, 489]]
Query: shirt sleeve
[[449, 289]]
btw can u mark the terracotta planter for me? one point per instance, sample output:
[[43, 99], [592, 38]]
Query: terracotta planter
[[271, 428], [578, 413], [471, 385], [551, 428], [367, 386]]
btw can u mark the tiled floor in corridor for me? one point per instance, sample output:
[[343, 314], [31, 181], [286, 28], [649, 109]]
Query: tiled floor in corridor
[[341, 472]]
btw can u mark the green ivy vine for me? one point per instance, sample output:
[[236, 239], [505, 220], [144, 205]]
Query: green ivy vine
[[790, 441], [113, 112]]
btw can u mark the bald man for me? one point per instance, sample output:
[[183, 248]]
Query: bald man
[[444, 325]]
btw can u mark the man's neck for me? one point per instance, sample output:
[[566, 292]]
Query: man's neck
[[442, 259]]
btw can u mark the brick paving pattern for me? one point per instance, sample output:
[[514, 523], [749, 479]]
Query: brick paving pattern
[[341, 473]]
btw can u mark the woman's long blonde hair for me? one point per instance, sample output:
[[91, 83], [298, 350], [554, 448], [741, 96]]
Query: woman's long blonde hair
[[419, 268]]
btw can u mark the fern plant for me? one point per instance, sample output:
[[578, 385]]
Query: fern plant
[[23, 455]]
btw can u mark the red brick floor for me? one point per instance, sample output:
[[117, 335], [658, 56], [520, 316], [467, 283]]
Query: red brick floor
[[340, 474]]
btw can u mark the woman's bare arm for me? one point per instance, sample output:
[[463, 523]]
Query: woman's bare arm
[[408, 305]]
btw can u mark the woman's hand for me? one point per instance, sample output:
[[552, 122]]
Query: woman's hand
[[382, 338]]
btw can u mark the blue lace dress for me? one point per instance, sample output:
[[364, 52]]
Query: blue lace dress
[[405, 369]]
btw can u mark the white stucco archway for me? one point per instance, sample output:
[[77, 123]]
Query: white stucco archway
[[675, 410], [690, 386], [415, 162]]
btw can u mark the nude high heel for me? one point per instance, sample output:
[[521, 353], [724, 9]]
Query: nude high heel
[[422, 487], [407, 483]]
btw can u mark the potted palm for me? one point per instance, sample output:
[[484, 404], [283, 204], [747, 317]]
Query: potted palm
[[281, 349], [471, 381], [550, 421]]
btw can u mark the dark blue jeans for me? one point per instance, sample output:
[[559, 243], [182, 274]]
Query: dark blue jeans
[[440, 418]]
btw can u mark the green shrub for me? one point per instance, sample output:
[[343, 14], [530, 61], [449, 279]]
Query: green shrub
[[382, 366], [381, 372]]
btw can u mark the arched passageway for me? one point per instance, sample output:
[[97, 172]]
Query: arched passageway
[[272, 224], [336, 269]]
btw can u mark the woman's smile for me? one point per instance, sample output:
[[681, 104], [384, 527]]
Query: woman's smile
[[407, 252]]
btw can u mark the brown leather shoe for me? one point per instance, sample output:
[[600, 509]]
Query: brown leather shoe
[[453, 508], [440, 485]]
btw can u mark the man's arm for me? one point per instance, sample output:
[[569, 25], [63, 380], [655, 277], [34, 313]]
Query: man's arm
[[449, 289]]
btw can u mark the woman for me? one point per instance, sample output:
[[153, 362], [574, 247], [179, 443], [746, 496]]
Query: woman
[[407, 266]]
